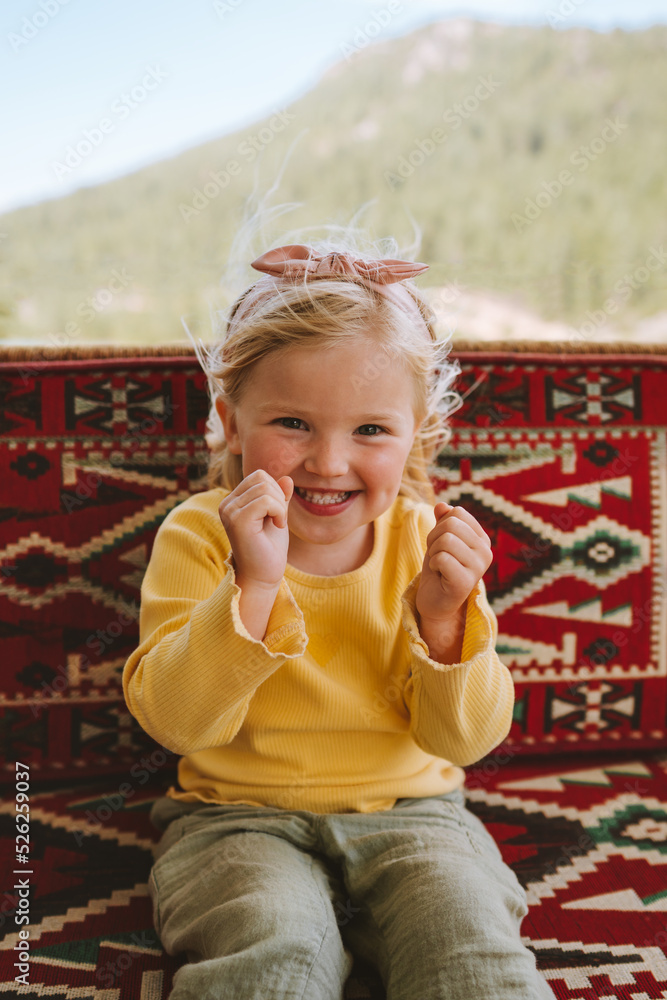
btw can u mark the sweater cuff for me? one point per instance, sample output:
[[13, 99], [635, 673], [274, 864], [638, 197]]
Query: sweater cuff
[[477, 637], [285, 630]]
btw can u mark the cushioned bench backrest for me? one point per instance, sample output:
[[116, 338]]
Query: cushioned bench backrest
[[561, 457]]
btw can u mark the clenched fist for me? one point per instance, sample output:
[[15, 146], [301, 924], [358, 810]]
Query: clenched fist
[[254, 515], [458, 554]]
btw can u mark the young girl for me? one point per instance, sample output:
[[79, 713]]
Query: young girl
[[316, 642]]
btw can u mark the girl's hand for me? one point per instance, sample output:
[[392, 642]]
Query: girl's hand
[[254, 515], [458, 554]]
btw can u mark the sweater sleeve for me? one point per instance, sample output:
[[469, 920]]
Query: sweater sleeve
[[458, 711], [190, 681]]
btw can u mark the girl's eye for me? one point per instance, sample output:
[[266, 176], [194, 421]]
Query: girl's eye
[[290, 422], [295, 424]]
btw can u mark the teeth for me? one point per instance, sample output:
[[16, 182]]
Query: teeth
[[322, 498]]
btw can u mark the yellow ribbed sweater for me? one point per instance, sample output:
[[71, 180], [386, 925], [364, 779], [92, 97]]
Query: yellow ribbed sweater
[[339, 708]]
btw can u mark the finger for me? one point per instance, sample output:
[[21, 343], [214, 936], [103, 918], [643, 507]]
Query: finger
[[451, 545], [258, 476], [259, 489], [465, 515], [253, 479], [255, 503], [460, 514], [263, 507], [286, 484], [454, 526], [462, 542]]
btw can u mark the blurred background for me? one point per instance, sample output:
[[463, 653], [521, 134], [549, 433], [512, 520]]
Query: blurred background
[[525, 141]]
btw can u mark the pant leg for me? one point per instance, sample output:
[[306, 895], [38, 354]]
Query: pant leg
[[239, 893], [438, 909]]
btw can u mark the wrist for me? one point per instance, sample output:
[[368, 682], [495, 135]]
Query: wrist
[[255, 603], [444, 636], [257, 586], [248, 583]]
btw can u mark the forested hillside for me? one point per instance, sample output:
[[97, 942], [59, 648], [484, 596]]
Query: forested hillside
[[532, 159]]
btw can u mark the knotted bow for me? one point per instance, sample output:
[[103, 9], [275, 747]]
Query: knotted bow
[[299, 261]]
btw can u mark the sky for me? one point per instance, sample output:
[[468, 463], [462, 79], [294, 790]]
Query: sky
[[96, 90]]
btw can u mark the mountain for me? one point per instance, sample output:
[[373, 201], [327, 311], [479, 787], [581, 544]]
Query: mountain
[[532, 159]]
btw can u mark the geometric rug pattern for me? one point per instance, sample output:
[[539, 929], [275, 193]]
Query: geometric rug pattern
[[588, 843], [562, 460], [566, 468], [91, 461]]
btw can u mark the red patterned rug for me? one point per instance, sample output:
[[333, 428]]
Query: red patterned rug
[[589, 844], [564, 461]]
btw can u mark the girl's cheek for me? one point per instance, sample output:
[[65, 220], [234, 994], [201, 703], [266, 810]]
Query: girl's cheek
[[281, 458], [391, 457]]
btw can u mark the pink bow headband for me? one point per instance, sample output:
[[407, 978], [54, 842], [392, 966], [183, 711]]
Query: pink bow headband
[[299, 263]]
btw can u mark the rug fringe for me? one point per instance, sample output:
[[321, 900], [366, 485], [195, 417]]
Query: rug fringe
[[45, 352]]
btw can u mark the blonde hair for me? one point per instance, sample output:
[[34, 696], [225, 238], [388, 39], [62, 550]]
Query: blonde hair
[[323, 313]]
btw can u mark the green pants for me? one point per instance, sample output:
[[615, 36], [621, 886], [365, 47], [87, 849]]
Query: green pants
[[269, 903]]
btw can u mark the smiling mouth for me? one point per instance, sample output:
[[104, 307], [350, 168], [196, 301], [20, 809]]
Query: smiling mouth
[[324, 497]]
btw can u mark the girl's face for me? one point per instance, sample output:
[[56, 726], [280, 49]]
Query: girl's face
[[340, 422]]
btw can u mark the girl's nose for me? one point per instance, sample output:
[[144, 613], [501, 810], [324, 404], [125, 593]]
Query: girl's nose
[[326, 459]]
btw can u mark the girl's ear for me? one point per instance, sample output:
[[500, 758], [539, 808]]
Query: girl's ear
[[227, 415]]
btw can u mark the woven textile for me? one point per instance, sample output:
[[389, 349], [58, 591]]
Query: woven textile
[[562, 459], [589, 844]]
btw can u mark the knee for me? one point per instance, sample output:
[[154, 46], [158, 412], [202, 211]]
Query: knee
[[486, 889], [478, 907], [293, 918], [278, 922], [469, 892]]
